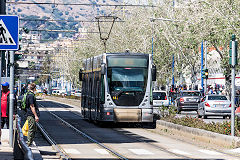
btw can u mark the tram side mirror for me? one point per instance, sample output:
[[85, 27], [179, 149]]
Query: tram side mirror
[[154, 73], [103, 68], [80, 75]]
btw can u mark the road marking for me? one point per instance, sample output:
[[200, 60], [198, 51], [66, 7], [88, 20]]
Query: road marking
[[72, 151], [236, 150], [209, 152], [140, 151], [101, 151], [180, 152]]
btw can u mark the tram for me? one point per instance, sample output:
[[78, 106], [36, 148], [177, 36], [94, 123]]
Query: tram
[[117, 87]]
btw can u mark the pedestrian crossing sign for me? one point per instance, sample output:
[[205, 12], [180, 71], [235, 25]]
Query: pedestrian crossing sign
[[9, 30]]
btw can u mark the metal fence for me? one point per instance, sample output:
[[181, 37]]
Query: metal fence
[[21, 150]]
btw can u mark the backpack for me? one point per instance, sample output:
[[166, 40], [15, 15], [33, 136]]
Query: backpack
[[24, 101]]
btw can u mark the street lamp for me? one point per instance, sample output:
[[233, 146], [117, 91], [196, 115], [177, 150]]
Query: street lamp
[[104, 28]]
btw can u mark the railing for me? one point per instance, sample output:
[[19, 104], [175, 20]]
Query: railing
[[27, 152]]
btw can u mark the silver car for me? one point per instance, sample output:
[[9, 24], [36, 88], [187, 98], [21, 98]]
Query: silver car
[[214, 105]]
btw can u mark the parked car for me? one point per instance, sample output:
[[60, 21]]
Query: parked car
[[78, 93], [214, 105], [160, 98], [73, 92], [187, 100], [56, 92]]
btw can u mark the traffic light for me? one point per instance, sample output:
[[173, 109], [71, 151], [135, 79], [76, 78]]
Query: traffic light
[[236, 51], [17, 57], [26, 30], [20, 37], [205, 73]]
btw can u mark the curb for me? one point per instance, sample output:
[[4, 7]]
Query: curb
[[200, 134]]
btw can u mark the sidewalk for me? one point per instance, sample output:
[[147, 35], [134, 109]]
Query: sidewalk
[[6, 152]]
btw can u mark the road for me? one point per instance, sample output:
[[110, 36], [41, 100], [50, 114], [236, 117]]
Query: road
[[129, 142]]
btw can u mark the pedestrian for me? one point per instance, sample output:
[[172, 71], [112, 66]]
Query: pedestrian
[[5, 102], [211, 91], [32, 113]]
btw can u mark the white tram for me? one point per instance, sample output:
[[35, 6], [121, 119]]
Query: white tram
[[117, 87]]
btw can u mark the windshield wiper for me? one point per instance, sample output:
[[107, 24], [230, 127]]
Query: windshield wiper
[[118, 92]]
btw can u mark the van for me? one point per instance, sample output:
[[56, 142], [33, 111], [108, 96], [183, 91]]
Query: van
[[160, 98]]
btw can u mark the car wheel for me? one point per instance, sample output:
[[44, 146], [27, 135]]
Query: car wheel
[[204, 117]]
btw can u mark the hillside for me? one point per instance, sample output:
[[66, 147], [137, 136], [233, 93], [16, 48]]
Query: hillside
[[73, 13]]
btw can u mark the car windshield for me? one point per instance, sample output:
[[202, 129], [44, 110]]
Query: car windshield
[[159, 96], [191, 94], [217, 98]]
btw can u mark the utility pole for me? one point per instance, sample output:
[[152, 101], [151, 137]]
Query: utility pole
[[202, 67], [233, 62], [173, 71], [205, 66], [11, 98], [2, 12]]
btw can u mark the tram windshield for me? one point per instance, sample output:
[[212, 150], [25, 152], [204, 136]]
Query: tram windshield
[[127, 79]]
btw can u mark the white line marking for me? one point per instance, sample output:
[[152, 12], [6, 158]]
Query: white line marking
[[140, 151], [236, 150], [209, 152], [101, 151], [72, 151], [180, 152]]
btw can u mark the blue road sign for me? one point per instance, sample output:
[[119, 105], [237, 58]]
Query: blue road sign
[[9, 31]]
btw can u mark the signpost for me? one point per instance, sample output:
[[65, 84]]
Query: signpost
[[9, 31]]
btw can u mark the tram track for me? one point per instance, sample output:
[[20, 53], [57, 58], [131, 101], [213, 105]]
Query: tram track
[[106, 147], [62, 152], [157, 146]]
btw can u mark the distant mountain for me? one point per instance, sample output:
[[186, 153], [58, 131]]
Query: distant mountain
[[72, 13]]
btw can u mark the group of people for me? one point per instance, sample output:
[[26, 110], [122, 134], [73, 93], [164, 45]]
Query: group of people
[[31, 114]]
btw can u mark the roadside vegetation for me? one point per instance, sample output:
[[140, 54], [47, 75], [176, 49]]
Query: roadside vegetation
[[60, 96], [175, 30], [169, 115]]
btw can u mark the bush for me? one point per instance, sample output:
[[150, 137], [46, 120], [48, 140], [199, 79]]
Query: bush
[[222, 128]]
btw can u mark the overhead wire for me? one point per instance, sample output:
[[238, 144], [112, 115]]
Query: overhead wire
[[80, 4]]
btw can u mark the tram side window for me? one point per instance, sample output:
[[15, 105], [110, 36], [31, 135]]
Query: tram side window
[[102, 90]]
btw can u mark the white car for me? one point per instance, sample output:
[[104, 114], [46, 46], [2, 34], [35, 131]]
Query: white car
[[214, 105], [78, 93], [56, 92], [72, 92], [160, 99]]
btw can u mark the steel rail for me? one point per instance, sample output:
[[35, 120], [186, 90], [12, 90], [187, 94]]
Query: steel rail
[[63, 155], [155, 146], [86, 136]]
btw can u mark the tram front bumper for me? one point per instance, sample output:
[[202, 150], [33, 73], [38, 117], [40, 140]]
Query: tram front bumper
[[133, 115], [127, 115]]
